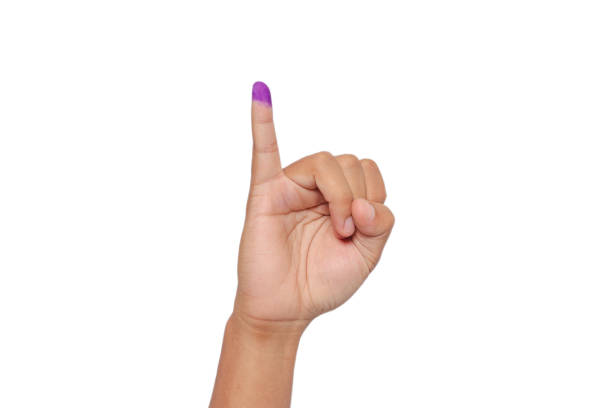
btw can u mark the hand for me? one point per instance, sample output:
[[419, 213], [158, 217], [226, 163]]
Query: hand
[[313, 231]]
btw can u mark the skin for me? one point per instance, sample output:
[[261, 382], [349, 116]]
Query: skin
[[313, 232]]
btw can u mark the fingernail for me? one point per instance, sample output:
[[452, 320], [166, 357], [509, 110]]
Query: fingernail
[[261, 93], [372, 211], [349, 226]]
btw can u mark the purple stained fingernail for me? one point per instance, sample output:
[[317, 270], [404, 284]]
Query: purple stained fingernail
[[261, 93]]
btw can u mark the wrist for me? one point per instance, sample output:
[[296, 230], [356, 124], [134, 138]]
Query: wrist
[[263, 330]]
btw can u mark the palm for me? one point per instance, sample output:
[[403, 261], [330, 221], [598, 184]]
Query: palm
[[292, 264]]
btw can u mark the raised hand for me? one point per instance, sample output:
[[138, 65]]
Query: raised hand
[[313, 231]]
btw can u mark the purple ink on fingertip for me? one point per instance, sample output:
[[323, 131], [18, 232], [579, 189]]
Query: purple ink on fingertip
[[261, 93]]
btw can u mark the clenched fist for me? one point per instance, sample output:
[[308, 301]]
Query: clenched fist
[[314, 230]]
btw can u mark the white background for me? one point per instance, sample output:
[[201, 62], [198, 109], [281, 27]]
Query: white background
[[124, 167]]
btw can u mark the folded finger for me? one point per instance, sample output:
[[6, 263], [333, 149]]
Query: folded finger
[[375, 186], [353, 172], [323, 172]]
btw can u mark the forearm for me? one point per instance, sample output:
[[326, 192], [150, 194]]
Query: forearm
[[256, 364]]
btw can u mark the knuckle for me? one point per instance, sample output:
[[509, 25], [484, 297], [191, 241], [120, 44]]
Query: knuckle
[[323, 156], [369, 163], [348, 160], [268, 147]]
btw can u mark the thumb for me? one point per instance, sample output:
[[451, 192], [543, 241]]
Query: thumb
[[373, 224], [266, 160]]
